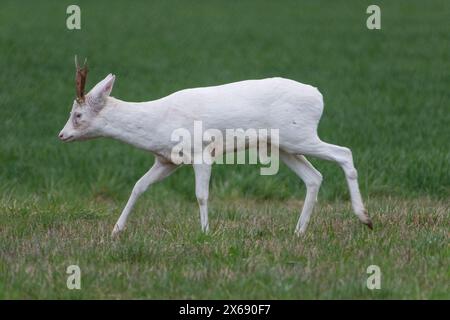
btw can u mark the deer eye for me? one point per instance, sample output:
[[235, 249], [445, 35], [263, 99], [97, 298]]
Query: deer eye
[[77, 118]]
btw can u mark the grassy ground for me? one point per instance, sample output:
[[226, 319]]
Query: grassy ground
[[250, 253], [386, 97]]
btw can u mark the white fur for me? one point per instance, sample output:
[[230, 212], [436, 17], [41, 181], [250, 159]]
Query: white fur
[[293, 108]]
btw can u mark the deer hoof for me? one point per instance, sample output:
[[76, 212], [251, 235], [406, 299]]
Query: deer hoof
[[116, 231], [369, 224], [366, 220]]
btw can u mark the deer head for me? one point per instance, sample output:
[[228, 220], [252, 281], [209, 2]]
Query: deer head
[[84, 121]]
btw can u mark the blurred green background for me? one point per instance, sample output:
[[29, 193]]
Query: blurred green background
[[386, 92]]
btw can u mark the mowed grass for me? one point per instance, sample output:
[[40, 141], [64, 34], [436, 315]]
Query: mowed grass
[[251, 252], [386, 97]]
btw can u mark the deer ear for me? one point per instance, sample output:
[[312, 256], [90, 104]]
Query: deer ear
[[108, 85], [102, 89]]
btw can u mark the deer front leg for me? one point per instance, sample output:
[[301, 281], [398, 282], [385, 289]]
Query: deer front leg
[[159, 171], [202, 175]]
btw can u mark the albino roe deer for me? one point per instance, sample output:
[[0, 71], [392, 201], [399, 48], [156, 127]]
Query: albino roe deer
[[292, 107]]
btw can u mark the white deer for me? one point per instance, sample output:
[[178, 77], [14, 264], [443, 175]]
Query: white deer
[[292, 107]]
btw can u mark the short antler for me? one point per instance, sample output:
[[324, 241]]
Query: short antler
[[80, 79]]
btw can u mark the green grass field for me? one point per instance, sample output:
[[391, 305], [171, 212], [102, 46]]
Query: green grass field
[[386, 97]]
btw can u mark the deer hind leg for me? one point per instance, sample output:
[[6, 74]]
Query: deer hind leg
[[342, 156], [312, 179]]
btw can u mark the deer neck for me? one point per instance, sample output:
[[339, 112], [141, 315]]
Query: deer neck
[[131, 122]]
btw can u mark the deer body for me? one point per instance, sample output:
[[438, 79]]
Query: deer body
[[293, 108]]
